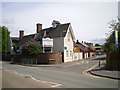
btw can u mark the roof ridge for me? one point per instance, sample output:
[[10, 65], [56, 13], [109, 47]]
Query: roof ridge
[[29, 35]]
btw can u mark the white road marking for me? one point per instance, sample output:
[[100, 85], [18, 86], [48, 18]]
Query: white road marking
[[57, 85], [53, 84], [85, 62], [82, 61]]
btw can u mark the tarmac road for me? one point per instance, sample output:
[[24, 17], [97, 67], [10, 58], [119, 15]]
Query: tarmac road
[[66, 76], [10, 79]]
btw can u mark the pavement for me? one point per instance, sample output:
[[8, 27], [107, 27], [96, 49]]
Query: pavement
[[101, 71]]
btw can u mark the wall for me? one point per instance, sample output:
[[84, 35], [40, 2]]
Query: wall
[[69, 45], [113, 61], [78, 56], [49, 58], [58, 44], [91, 54], [85, 55], [42, 58]]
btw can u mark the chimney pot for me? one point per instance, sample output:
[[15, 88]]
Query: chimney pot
[[39, 27], [21, 34]]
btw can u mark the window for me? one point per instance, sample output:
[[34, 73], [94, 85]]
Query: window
[[68, 37], [70, 53], [66, 53]]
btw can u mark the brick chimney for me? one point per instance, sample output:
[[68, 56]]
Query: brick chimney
[[21, 34], [39, 27]]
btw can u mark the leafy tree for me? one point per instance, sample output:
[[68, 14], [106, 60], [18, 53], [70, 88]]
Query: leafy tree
[[31, 48], [109, 46], [5, 34], [97, 44]]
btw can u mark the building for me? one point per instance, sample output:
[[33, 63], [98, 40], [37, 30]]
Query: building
[[14, 41], [86, 49], [99, 50], [62, 35], [91, 49]]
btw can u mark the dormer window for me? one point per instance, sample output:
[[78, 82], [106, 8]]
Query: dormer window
[[55, 23]]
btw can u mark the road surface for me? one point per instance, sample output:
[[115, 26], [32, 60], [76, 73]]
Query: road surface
[[10, 79], [68, 75]]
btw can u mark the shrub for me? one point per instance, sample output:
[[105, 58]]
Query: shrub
[[31, 49]]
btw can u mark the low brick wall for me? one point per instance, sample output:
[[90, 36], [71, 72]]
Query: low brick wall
[[41, 58], [49, 58], [113, 61]]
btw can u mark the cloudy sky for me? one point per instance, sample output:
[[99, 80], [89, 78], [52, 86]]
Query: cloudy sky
[[89, 20]]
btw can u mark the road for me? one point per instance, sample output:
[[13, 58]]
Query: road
[[67, 75], [10, 79]]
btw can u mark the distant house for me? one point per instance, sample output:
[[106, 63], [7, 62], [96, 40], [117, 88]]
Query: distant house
[[86, 49], [78, 54], [62, 35], [91, 49], [14, 41], [99, 50], [83, 48]]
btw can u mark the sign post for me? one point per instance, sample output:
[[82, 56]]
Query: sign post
[[116, 40]]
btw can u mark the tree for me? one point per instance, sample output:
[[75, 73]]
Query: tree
[[97, 44], [31, 48], [109, 46], [5, 34]]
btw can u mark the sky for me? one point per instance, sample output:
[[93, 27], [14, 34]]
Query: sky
[[89, 20]]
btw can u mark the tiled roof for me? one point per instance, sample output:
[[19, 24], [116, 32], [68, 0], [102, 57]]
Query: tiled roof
[[82, 48], [59, 31], [91, 49], [25, 39], [14, 40]]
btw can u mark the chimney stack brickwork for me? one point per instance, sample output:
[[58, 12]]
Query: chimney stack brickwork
[[39, 27], [21, 34]]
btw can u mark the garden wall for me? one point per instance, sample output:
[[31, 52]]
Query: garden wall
[[41, 58]]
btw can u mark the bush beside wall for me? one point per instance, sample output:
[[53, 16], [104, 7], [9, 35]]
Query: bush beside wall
[[113, 61]]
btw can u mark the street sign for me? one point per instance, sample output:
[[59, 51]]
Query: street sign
[[47, 42]]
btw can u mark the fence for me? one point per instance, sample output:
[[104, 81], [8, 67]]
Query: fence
[[78, 56]]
